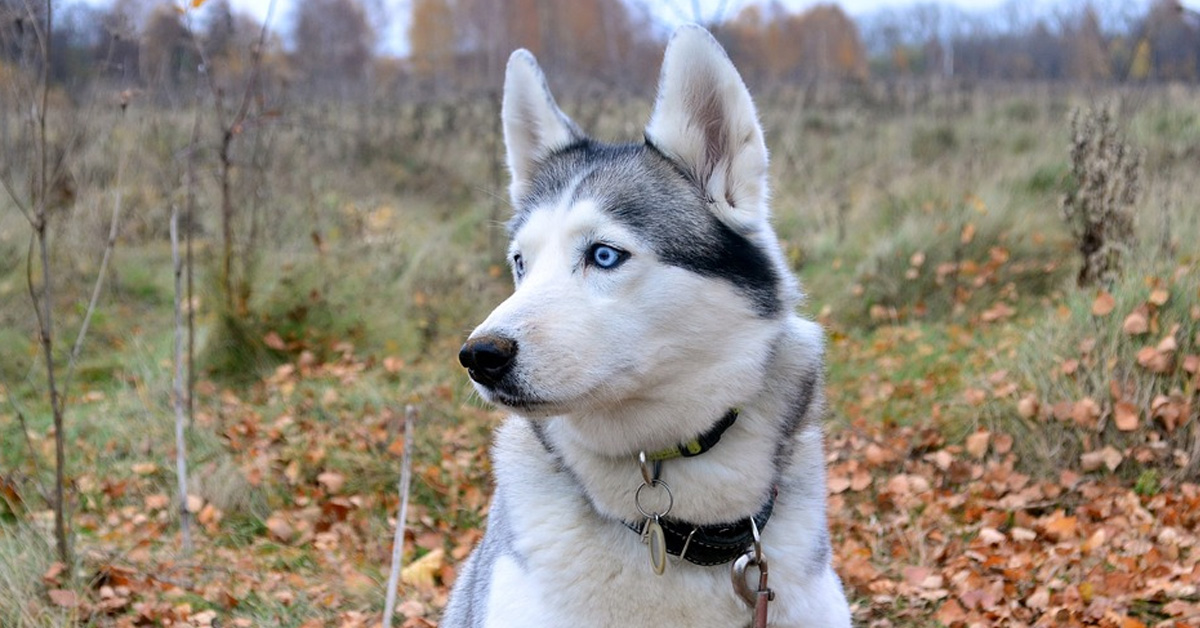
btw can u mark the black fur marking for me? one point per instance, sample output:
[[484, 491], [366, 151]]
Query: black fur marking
[[663, 203], [799, 416]]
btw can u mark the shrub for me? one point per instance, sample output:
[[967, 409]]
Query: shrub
[[1099, 208]]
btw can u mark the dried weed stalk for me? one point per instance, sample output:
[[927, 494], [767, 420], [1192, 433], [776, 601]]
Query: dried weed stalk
[[1099, 210]]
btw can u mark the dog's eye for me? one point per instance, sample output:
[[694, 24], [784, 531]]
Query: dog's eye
[[518, 263], [606, 257]]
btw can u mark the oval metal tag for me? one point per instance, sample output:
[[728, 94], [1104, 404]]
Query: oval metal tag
[[657, 542]]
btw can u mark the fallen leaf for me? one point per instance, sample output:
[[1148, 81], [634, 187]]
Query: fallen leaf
[[1159, 296], [1060, 526], [279, 528], [950, 613], [1136, 324], [422, 571], [158, 501], [332, 481], [991, 536], [1125, 415], [1107, 457], [977, 444], [1104, 304], [63, 598], [54, 574], [968, 233], [1027, 407], [273, 341]]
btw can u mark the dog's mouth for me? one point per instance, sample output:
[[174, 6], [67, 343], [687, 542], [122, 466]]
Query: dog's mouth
[[521, 402]]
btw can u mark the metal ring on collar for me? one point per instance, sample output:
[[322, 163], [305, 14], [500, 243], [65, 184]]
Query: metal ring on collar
[[637, 499]]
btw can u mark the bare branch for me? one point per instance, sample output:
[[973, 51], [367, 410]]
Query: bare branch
[[99, 285], [180, 442], [16, 199], [389, 607]]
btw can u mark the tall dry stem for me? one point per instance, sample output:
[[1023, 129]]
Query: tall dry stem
[[1099, 210]]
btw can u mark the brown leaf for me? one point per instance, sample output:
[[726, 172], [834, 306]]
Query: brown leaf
[[1104, 304], [273, 341], [977, 444], [1027, 407], [53, 575], [1107, 457], [1085, 412], [63, 598], [332, 481], [393, 365], [1191, 363], [950, 613], [1125, 415], [1136, 324], [968, 233], [1060, 526], [1159, 296], [860, 480], [157, 501], [279, 528]]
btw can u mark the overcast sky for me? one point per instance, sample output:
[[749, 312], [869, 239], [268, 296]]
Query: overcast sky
[[670, 12]]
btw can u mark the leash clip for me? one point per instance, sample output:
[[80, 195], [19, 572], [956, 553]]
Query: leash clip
[[755, 599]]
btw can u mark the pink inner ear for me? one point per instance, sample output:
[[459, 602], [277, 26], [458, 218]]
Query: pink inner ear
[[709, 113]]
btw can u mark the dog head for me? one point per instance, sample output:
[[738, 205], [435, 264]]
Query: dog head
[[648, 280]]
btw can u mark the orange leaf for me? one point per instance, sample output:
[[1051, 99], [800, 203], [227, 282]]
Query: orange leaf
[[1104, 304], [968, 233], [951, 613], [1125, 415], [1159, 297], [1060, 527]]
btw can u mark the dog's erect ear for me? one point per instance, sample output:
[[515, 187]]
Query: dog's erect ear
[[704, 119], [534, 126]]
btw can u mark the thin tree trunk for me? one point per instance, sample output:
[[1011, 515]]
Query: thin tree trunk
[[45, 315], [191, 304], [389, 607], [180, 443]]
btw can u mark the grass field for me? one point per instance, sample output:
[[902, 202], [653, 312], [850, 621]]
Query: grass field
[[984, 470]]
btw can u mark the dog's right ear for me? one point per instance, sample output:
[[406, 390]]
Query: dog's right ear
[[534, 126]]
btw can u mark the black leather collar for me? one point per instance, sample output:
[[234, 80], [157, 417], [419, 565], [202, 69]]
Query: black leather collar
[[712, 544]]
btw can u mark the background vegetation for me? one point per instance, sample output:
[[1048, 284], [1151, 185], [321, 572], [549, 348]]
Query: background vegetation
[[1006, 447]]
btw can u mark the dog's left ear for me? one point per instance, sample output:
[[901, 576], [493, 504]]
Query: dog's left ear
[[534, 126], [705, 120]]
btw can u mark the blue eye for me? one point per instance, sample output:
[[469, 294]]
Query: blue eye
[[606, 257], [518, 265]]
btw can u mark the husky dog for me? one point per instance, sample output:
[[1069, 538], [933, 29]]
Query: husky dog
[[665, 397]]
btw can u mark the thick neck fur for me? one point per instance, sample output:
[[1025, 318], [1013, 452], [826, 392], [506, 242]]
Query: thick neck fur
[[735, 484]]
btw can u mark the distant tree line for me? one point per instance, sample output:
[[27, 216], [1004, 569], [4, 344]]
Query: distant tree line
[[332, 48]]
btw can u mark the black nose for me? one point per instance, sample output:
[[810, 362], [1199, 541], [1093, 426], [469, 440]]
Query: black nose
[[488, 358]]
